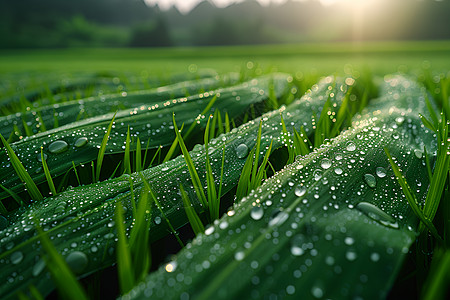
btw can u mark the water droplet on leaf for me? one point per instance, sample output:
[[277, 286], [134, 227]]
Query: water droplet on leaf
[[58, 147], [257, 213], [242, 151], [80, 142], [370, 180]]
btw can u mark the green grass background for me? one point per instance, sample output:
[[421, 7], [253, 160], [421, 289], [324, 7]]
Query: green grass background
[[378, 57]]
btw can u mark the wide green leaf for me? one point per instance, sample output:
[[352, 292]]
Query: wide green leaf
[[79, 141]]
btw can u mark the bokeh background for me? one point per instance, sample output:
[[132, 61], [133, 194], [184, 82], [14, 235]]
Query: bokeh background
[[170, 23]]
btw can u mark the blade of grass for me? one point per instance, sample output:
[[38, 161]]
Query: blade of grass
[[127, 158], [138, 156], [194, 219], [124, 263], [412, 200], [48, 176], [101, 151], [22, 172], [155, 200], [192, 171]]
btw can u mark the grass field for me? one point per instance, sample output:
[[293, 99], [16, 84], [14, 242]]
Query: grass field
[[381, 57], [291, 183]]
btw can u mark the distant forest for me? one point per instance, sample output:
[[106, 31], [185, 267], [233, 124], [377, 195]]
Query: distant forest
[[131, 23]]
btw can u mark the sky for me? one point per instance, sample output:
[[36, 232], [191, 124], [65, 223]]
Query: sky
[[186, 5]]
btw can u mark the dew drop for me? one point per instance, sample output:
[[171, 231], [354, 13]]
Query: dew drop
[[418, 153], [300, 191], [157, 220], [81, 142], [58, 147], [349, 241], [278, 218], [325, 163], [350, 255], [381, 172], [317, 292], [239, 255], [375, 257], [109, 235], [338, 171], [257, 213], [351, 146], [77, 261], [38, 267], [317, 174], [377, 214], [370, 180], [209, 230], [242, 151], [290, 290], [296, 245], [39, 158], [16, 257]]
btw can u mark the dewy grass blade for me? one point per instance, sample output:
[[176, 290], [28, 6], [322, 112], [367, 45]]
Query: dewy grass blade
[[194, 175], [101, 151], [300, 147], [155, 199], [262, 168], [138, 162], [427, 123], [139, 238], [13, 195], [124, 263], [76, 173], [213, 201], [194, 219], [244, 183], [47, 174], [172, 148], [22, 172], [61, 273], [412, 200], [440, 172], [127, 157]]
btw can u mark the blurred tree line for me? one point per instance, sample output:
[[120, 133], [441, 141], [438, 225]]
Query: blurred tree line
[[123, 23]]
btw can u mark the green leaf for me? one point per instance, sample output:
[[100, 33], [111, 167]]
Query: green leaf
[[101, 151], [124, 263], [51, 185], [85, 137]]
